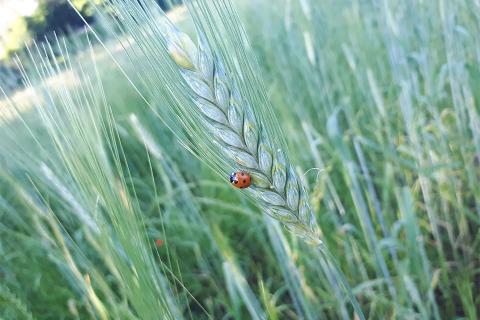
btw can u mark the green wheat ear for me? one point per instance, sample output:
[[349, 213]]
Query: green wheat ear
[[233, 127]]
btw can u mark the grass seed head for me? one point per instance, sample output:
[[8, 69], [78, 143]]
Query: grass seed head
[[232, 125]]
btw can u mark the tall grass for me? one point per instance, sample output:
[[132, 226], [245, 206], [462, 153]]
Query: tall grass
[[373, 105]]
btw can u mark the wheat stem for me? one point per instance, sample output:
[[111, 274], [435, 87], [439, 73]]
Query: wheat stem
[[341, 278]]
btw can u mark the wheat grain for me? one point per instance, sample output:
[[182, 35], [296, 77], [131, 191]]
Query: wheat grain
[[233, 127]]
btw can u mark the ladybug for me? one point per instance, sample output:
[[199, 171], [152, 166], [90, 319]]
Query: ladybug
[[241, 179]]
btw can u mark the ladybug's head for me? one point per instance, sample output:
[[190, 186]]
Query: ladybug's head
[[233, 177]]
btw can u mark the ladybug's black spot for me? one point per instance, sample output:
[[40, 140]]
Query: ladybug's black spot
[[243, 174], [235, 182], [244, 181]]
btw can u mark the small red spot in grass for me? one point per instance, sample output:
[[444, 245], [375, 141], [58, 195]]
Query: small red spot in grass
[[159, 242]]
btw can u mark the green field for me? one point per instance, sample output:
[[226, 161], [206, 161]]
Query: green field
[[371, 105]]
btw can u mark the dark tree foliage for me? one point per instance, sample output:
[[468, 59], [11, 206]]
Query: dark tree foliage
[[163, 4], [54, 15], [59, 16]]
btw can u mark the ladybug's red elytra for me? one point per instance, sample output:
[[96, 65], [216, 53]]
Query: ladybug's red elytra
[[241, 179]]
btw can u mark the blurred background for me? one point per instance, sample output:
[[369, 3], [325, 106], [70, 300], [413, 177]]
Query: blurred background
[[24, 21], [104, 214]]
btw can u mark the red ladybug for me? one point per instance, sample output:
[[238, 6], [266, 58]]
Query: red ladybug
[[241, 179]]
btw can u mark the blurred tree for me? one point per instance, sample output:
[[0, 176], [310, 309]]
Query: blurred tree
[[50, 16], [162, 4], [58, 16], [18, 34]]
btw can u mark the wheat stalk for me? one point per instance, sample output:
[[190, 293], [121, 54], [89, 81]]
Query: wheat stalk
[[233, 127]]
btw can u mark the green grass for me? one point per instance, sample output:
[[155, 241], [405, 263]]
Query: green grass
[[378, 105]]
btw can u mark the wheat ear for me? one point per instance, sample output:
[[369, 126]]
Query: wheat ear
[[241, 137]]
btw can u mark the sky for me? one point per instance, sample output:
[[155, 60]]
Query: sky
[[11, 10]]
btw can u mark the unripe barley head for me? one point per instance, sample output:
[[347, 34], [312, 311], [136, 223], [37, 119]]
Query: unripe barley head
[[233, 126]]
